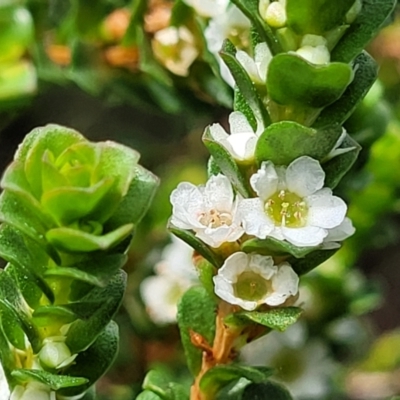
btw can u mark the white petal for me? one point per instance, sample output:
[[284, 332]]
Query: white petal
[[262, 265], [325, 210], [249, 65], [208, 8], [265, 181], [215, 237], [285, 281], [233, 266], [238, 123], [262, 58], [218, 193], [255, 222], [187, 204], [304, 237], [341, 232], [304, 176], [217, 132], [242, 145]]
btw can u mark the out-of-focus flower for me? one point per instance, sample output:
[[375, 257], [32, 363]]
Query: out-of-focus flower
[[242, 140], [249, 280], [292, 205], [208, 8], [232, 25], [304, 367], [211, 211], [175, 48], [4, 389], [175, 273]]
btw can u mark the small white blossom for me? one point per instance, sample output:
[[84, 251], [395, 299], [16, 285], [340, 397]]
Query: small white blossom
[[55, 353], [256, 68], [338, 234], [175, 274], [33, 391], [175, 48], [208, 8], [211, 211], [249, 280], [292, 205], [232, 24], [274, 14], [241, 143]]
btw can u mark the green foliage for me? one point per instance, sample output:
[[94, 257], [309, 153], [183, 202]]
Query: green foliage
[[285, 141], [291, 80], [159, 384], [196, 315], [266, 391]]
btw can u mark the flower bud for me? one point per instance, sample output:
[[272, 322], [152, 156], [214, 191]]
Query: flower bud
[[55, 353], [32, 391], [275, 15]]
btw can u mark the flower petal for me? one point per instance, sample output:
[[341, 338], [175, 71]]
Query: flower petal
[[238, 123], [304, 237], [304, 176], [265, 181], [341, 232], [325, 210], [255, 222], [218, 193]]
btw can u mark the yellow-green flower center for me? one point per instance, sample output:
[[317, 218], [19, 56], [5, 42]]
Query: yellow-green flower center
[[287, 209], [251, 286]]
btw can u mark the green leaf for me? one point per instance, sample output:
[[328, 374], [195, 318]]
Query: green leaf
[[366, 71], [161, 385], [310, 261], [370, 20], [12, 329], [241, 105], [275, 247], [148, 395], [196, 314], [136, 201], [250, 9], [226, 163], [96, 270], [82, 333], [221, 375], [48, 315], [54, 382], [76, 241], [233, 391], [285, 141], [244, 83], [94, 362], [277, 318], [266, 391], [204, 250], [316, 16], [339, 165], [291, 80], [181, 12], [206, 272]]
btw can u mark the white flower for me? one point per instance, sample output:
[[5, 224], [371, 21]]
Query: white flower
[[4, 389], [338, 234], [55, 353], [175, 274], [249, 280], [33, 391], [292, 205], [304, 367], [241, 143], [175, 48], [231, 24], [211, 211], [257, 67], [208, 8]]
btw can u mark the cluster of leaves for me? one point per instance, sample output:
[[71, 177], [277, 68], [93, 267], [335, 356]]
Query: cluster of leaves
[[68, 211], [301, 110]]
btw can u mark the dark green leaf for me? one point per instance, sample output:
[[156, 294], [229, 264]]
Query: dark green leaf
[[338, 166], [266, 391], [94, 362], [277, 318], [212, 167], [310, 261], [244, 83], [365, 74], [160, 384], [316, 16], [221, 375], [285, 141], [291, 80], [196, 314], [233, 391], [275, 247], [370, 20], [204, 250], [82, 333], [250, 9], [54, 382], [226, 163], [48, 315], [12, 329], [240, 104]]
